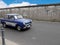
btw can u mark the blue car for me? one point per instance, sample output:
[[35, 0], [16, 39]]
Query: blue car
[[16, 21]]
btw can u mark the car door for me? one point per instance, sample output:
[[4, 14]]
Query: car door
[[11, 21]]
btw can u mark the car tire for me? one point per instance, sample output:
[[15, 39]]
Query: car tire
[[4, 25], [18, 28]]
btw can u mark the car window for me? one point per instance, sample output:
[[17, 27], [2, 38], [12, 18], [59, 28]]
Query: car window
[[11, 17], [18, 16], [6, 17]]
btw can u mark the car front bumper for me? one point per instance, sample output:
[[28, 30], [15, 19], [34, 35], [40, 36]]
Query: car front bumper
[[26, 26]]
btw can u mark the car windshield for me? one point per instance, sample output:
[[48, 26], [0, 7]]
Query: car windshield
[[18, 16]]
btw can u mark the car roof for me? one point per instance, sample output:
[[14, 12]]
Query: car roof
[[12, 14]]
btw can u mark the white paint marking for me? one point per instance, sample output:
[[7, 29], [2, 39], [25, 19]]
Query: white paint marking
[[11, 23]]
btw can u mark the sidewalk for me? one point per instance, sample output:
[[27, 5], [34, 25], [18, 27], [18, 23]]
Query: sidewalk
[[0, 41], [7, 42]]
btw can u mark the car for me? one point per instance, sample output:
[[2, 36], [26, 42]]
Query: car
[[17, 21]]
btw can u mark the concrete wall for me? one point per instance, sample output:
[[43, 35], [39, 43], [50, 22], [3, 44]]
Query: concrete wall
[[37, 13]]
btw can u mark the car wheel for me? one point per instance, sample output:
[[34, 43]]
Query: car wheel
[[18, 28], [4, 25]]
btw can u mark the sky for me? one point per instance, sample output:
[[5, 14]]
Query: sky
[[32, 1], [14, 3]]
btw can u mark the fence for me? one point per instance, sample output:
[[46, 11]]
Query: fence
[[36, 12]]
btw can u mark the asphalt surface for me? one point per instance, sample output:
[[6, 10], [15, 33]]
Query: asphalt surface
[[41, 33]]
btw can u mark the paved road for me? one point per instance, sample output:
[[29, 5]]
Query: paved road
[[41, 33]]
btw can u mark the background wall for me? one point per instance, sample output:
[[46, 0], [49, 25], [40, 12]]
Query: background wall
[[51, 13]]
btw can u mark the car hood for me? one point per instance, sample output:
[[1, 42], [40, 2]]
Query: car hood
[[24, 20]]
